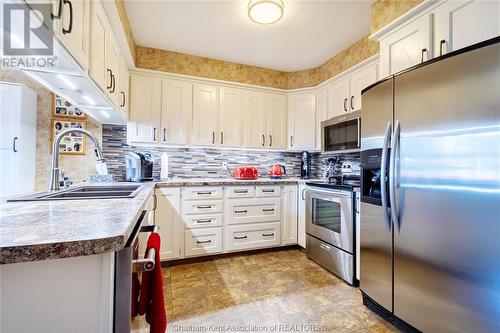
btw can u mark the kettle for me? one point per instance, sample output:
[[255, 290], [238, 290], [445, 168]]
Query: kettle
[[277, 171]]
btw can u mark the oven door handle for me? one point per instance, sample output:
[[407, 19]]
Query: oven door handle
[[329, 192], [383, 175], [148, 262]]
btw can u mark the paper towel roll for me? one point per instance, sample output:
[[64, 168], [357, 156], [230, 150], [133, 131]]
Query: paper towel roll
[[164, 166]]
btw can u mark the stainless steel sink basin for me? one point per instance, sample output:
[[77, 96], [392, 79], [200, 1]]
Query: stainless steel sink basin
[[85, 192]]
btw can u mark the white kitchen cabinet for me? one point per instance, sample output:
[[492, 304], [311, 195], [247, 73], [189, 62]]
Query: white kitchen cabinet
[[359, 80], [123, 75], [168, 218], [205, 114], [254, 108], [302, 121], [338, 98], [176, 111], [301, 219], [18, 113], [73, 28], [99, 31], [289, 215], [199, 242], [230, 105], [254, 210], [321, 113], [145, 109], [276, 121], [251, 236], [113, 67], [407, 46], [462, 23]]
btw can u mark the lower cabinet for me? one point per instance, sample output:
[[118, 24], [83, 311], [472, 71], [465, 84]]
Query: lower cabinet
[[301, 219], [204, 220]]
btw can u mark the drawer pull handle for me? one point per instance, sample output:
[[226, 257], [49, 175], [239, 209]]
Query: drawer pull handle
[[204, 242], [268, 209], [268, 191], [241, 211], [204, 221], [204, 207], [204, 193], [241, 237], [240, 191], [268, 235]]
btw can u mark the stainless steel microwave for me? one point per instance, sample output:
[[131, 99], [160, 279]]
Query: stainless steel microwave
[[341, 134]]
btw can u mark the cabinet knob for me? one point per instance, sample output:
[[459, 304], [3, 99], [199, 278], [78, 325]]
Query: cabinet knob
[[424, 50], [441, 44]]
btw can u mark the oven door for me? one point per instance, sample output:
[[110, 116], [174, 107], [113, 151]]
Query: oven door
[[329, 216]]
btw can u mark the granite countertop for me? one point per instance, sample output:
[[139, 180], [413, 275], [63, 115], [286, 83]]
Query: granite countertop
[[41, 230]]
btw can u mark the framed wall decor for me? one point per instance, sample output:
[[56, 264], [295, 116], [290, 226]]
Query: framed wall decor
[[63, 108], [72, 144]]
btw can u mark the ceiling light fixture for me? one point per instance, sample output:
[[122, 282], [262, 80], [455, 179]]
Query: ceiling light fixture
[[265, 11]]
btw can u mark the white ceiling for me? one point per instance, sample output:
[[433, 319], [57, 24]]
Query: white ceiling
[[310, 33]]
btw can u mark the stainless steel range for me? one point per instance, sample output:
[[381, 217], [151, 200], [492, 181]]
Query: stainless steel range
[[330, 226]]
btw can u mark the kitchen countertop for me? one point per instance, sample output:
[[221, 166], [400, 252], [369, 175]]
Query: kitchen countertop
[[41, 230]]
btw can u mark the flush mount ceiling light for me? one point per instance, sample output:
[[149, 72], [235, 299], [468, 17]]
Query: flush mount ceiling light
[[265, 11]]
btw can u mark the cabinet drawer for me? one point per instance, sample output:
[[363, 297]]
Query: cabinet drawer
[[202, 221], [268, 191], [240, 237], [201, 193], [240, 192], [252, 210], [201, 207], [199, 242]]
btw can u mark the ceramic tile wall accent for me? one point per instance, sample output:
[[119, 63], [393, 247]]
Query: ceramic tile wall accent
[[122, 13], [193, 162], [319, 162], [77, 167], [385, 11], [180, 63]]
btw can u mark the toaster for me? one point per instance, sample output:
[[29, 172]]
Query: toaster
[[139, 166], [246, 172]]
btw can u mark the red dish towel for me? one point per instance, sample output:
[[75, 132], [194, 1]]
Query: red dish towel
[[151, 300]]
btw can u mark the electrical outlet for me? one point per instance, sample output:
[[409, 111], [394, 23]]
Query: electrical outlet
[[224, 165]]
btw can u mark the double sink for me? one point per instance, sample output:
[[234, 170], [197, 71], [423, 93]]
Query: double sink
[[85, 192]]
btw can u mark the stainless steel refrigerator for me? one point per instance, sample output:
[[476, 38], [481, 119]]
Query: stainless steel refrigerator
[[430, 194]]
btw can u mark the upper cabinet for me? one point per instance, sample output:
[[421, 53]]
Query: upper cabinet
[[99, 31], [407, 46], [338, 98], [359, 80], [72, 29], [145, 109], [462, 23], [176, 111], [230, 104], [302, 121], [205, 114], [321, 113], [434, 28], [254, 117], [275, 137]]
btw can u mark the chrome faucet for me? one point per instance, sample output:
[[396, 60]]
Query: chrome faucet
[[54, 184]]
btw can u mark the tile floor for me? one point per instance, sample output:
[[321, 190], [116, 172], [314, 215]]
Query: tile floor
[[271, 291]]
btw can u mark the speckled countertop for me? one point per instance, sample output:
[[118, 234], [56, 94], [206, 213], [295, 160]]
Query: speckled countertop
[[40, 230]]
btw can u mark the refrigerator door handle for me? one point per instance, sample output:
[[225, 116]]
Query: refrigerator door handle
[[383, 174], [392, 172]]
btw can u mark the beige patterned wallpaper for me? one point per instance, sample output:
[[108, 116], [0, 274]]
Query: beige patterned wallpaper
[[385, 11], [77, 167]]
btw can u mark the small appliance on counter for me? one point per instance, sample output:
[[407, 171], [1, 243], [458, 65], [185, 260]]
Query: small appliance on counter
[[246, 172], [305, 165], [139, 166], [277, 171]]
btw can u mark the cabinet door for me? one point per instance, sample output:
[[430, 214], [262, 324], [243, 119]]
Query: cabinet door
[[254, 108], [98, 39], [338, 98], [167, 217], [301, 218], [407, 46], [176, 111], [359, 81], [123, 86], [145, 108], [229, 117], [463, 23], [73, 29], [321, 113], [205, 115], [302, 121], [276, 121], [289, 216], [113, 67]]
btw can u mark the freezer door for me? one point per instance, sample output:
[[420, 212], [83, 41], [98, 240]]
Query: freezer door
[[375, 234], [447, 181]]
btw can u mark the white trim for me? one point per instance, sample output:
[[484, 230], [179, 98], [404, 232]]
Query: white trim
[[414, 13]]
